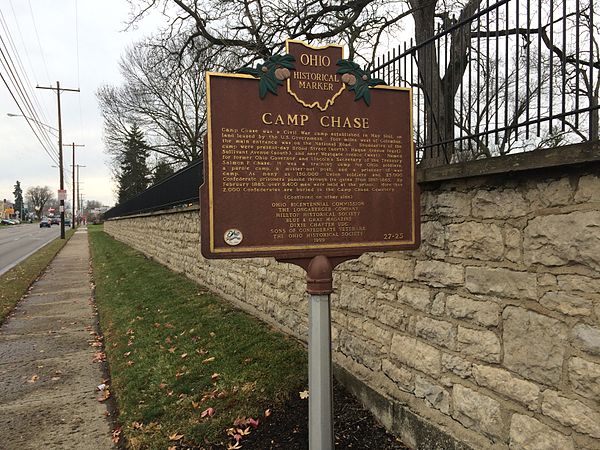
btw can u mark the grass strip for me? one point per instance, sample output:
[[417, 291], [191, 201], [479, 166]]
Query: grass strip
[[15, 283], [177, 353]]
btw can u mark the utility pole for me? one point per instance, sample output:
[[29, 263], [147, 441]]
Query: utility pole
[[73, 207], [60, 153], [78, 197]]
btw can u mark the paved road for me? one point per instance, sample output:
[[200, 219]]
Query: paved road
[[19, 241]]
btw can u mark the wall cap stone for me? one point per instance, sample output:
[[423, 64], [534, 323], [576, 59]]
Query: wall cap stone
[[567, 155], [159, 212]]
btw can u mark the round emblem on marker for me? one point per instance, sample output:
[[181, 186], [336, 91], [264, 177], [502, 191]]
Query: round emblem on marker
[[233, 237]]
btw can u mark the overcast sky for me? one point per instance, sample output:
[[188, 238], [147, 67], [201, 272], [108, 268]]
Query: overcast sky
[[94, 30]]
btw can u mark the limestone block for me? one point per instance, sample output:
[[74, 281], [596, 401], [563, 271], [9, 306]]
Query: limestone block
[[480, 344], [503, 382], [571, 305], [588, 189], [379, 335], [572, 413], [437, 331], [570, 283], [501, 204], [416, 354], [556, 193], [484, 313], [513, 243], [547, 280], [534, 344], [527, 433], [457, 365], [439, 304], [500, 282], [478, 411], [587, 338], [439, 273], [366, 353], [356, 298], [400, 269], [432, 239], [475, 240], [584, 376], [449, 204], [436, 396], [399, 375], [557, 240], [418, 298], [393, 315]]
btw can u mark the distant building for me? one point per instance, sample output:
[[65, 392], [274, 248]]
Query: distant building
[[7, 209]]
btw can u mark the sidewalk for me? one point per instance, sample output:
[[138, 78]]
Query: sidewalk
[[48, 397]]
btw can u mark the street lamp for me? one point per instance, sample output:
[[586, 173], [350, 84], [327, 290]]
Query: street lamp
[[33, 120]]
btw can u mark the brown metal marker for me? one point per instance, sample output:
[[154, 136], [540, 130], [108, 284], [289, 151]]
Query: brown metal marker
[[309, 162]]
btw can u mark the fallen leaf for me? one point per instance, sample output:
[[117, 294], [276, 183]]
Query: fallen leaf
[[137, 425], [253, 422], [33, 379], [184, 355], [116, 435], [162, 385], [245, 431], [172, 447], [55, 378], [207, 360], [175, 437], [208, 412], [126, 353], [129, 363], [172, 349], [304, 394], [267, 412], [215, 376], [105, 396], [212, 334], [234, 447], [195, 405]]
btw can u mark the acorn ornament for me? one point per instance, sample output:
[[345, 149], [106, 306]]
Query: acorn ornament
[[349, 79], [357, 80], [282, 73]]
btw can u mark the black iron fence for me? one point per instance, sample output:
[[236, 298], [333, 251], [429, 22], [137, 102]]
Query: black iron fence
[[491, 79], [180, 189], [505, 76]]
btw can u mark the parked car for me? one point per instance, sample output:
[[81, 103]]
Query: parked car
[[7, 222], [45, 223], [55, 221], [67, 222]]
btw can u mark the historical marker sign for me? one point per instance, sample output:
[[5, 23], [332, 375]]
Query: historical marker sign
[[307, 161]]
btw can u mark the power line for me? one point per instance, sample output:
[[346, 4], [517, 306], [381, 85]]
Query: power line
[[38, 39], [43, 111], [21, 92], [15, 72]]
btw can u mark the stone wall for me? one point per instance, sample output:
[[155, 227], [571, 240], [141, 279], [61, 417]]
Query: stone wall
[[488, 334]]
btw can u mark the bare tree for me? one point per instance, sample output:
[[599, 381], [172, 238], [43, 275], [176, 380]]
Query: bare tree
[[164, 95], [254, 30], [37, 197]]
